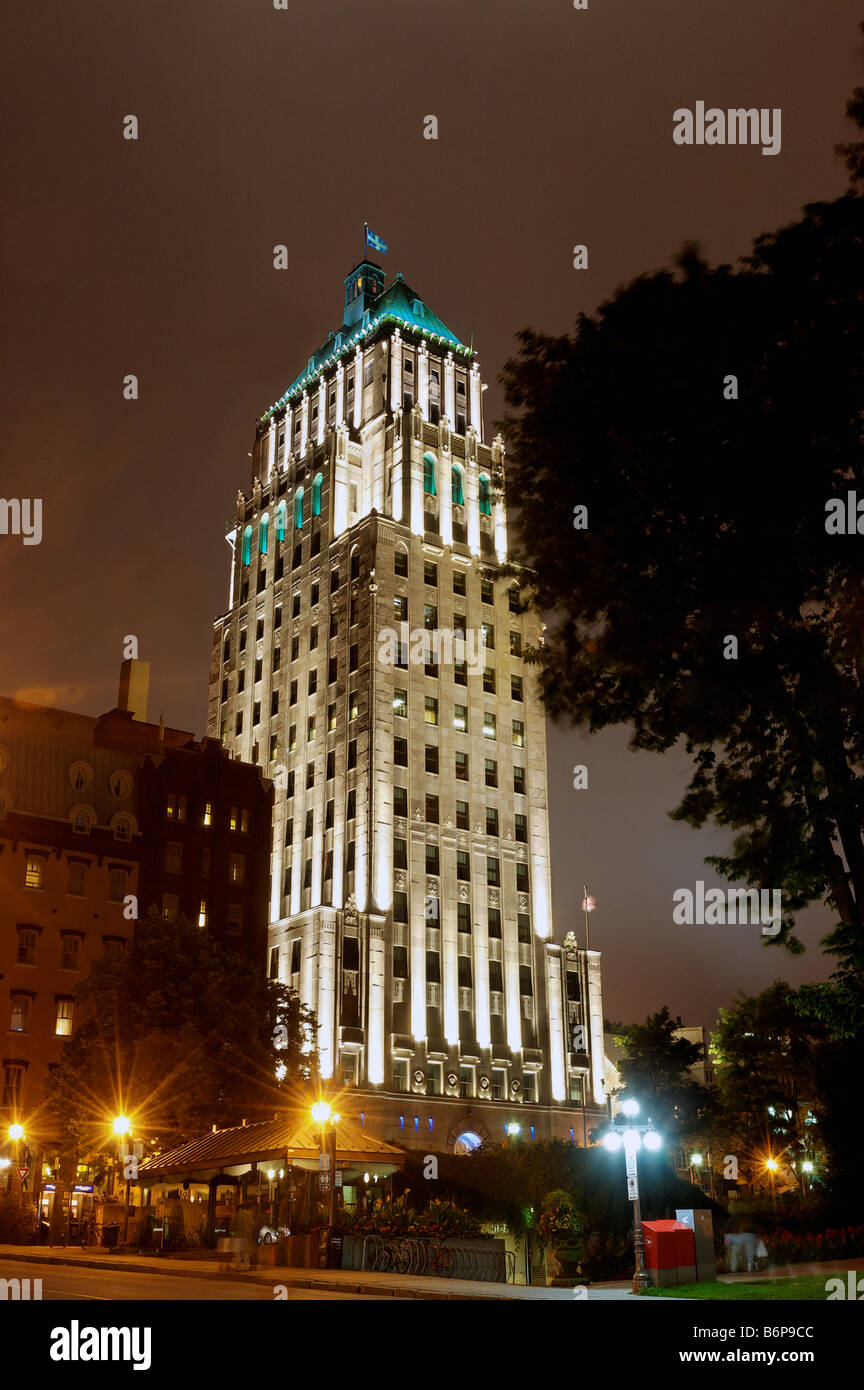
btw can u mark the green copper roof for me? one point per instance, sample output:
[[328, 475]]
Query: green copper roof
[[397, 304]]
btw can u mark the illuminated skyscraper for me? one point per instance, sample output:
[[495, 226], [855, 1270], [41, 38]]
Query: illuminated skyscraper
[[373, 666]]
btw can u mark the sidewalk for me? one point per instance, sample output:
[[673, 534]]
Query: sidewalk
[[331, 1280]]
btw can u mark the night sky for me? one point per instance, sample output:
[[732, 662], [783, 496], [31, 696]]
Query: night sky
[[260, 126]]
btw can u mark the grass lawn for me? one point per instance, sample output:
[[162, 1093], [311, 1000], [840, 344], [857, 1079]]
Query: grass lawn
[[804, 1288]]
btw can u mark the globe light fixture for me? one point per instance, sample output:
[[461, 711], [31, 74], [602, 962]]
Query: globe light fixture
[[513, 1129], [630, 1108], [612, 1142], [652, 1140], [696, 1160], [807, 1166]]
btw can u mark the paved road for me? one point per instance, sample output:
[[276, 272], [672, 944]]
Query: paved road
[[63, 1284]]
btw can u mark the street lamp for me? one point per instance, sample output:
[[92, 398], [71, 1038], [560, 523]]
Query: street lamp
[[16, 1134], [631, 1137], [322, 1114], [123, 1127]]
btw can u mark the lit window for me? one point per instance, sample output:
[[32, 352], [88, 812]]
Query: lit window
[[202, 913], [430, 709], [63, 1026], [237, 870], [34, 872], [489, 726], [208, 812], [518, 733], [458, 496], [485, 496], [400, 703], [460, 718], [429, 474]]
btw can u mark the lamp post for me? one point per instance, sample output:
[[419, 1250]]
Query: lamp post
[[323, 1115], [631, 1137], [123, 1127], [772, 1166], [16, 1135]]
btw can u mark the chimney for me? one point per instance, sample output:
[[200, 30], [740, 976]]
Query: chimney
[[134, 688]]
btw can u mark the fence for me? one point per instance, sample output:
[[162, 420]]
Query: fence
[[445, 1259]]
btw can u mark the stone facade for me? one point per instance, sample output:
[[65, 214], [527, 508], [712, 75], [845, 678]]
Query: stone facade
[[373, 665]]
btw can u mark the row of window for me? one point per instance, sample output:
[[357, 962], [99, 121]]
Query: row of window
[[34, 877], [457, 488], [236, 869], [281, 520], [21, 1010], [233, 913], [177, 809], [70, 947]]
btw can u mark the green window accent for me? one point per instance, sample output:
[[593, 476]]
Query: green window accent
[[281, 519], [485, 496], [458, 498], [263, 529], [246, 552], [298, 508], [429, 474], [317, 483]]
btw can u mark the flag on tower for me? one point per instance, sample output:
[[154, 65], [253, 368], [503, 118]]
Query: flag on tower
[[377, 243]]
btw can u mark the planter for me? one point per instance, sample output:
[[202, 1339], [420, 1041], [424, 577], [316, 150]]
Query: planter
[[301, 1251]]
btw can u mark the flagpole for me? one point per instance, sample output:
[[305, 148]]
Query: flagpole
[[365, 230], [585, 904]]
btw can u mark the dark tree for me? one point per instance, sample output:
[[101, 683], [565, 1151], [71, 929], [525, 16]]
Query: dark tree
[[706, 417], [656, 1070], [180, 1034]]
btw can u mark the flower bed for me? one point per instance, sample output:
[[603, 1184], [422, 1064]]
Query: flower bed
[[792, 1247]]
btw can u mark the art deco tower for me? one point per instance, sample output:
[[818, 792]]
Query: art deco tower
[[370, 662]]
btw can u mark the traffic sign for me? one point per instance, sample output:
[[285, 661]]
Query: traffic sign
[[23, 1173], [633, 1189]]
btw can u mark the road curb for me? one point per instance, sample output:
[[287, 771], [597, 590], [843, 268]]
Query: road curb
[[291, 1282]]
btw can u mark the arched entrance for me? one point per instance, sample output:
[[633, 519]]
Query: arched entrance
[[467, 1142]]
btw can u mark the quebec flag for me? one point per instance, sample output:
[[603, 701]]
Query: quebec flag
[[377, 243]]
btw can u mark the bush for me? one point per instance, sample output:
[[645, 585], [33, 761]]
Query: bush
[[17, 1227]]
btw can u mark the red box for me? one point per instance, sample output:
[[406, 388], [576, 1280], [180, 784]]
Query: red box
[[668, 1244]]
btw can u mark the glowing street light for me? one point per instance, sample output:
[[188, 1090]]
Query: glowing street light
[[321, 1112], [772, 1165], [16, 1133], [631, 1136]]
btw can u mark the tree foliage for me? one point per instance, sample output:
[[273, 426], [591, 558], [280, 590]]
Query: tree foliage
[[180, 1034], [656, 1070], [706, 510]]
